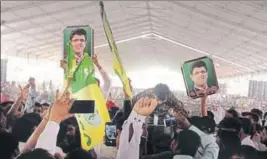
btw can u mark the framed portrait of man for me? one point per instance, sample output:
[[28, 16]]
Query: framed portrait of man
[[78, 44], [200, 77]]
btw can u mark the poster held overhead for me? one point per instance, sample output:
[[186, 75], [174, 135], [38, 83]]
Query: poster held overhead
[[200, 77], [78, 66]]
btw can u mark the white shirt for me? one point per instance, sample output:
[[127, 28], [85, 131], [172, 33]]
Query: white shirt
[[130, 150], [209, 148], [248, 141], [30, 100], [48, 139]]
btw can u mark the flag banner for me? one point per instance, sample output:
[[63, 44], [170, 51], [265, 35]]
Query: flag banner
[[117, 63], [78, 50], [200, 77]]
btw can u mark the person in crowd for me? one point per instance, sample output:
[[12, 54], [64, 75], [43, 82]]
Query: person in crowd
[[185, 148], [257, 112], [45, 107], [37, 108], [8, 146], [231, 113], [228, 142], [129, 142], [70, 141], [36, 153], [245, 152], [209, 148], [25, 126], [245, 132], [31, 99], [230, 124], [79, 154], [14, 91]]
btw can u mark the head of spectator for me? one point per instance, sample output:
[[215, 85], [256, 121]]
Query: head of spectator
[[230, 124], [186, 147], [8, 146], [245, 152], [257, 112], [228, 142], [79, 154], [36, 153], [231, 113], [37, 108], [25, 125]]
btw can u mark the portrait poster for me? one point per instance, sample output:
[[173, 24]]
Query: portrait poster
[[78, 49], [200, 77]]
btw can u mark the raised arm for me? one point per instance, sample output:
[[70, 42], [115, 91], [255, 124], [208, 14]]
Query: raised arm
[[59, 112], [130, 137], [105, 77], [14, 108]]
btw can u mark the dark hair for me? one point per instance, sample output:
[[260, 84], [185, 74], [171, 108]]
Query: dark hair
[[79, 154], [246, 125], [162, 91], [37, 104], [230, 124], [8, 145], [205, 124], [188, 147], [247, 152], [36, 153], [210, 114], [257, 112], [78, 32], [233, 112], [23, 127], [46, 105], [262, 154], [229, 143], [198, 64]]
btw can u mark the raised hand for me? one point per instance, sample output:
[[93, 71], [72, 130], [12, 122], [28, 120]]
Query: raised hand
[[180, 115], [95, 60], [63, 64], [145, 106], [61, 107]]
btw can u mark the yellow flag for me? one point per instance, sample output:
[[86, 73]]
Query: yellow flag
[[117, 64]]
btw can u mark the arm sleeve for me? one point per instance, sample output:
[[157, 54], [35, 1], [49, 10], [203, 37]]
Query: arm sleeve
[[211, 149], [48, 139]]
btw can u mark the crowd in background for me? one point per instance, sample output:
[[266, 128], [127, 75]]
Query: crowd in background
[[35, 123], [28, 133]]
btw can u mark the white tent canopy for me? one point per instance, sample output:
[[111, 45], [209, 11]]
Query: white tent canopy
[[150, 34]]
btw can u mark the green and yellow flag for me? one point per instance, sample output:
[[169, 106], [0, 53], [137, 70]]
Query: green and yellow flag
[[85, 87], [117, 63]]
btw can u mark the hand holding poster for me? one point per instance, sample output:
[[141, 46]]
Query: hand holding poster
[[200, 77], [117, 64], [78, 49]]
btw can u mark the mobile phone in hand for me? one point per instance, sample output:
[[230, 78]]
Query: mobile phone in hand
[[110, 134], [82, 107]]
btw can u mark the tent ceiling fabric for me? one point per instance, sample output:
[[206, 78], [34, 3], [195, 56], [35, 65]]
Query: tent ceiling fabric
[[233, 32]]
